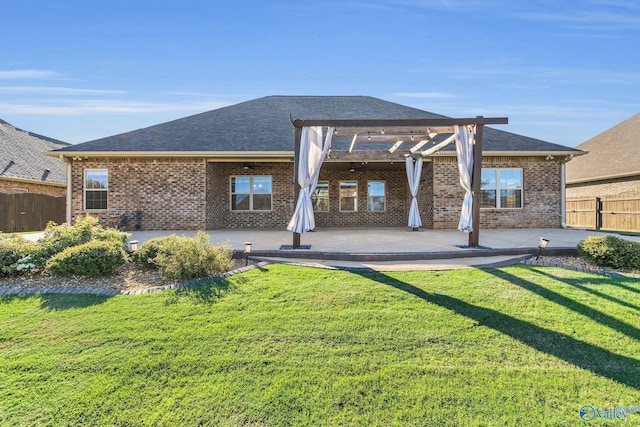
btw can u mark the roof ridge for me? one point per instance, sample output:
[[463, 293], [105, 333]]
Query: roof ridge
[[322, 97]]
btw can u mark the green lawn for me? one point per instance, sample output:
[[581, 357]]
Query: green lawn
[[297, 346]]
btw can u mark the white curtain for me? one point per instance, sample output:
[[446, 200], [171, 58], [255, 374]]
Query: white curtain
[[413, 175], [312, 154], [464, 147]]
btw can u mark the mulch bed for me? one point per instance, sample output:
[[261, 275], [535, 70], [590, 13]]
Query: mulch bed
[[580, 264], [129, 277]]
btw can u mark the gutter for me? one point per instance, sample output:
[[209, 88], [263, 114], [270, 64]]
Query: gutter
[[516, 153], [604, 177], [563, 195], [67, 162], [208, 154], [33, 181], [244, 155]]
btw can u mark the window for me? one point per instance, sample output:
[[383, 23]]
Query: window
[[348, 196], [96, 186], [320, 197], [250, 193], [501, 188], [375, 196]]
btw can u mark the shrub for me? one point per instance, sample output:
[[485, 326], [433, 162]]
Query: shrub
[[95, 258], [185, 258], [147, 252], [110, 235], [13, 254], [611, 251], [60, 237], [57, 238]]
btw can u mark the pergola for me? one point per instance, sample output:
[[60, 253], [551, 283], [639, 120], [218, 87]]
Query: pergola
[[398, 133]]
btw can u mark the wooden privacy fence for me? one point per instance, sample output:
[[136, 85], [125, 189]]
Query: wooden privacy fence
[[619, 213], [30, 211]]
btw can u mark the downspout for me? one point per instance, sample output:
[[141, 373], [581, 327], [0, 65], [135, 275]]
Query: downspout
[[563, 201], [69, 188]]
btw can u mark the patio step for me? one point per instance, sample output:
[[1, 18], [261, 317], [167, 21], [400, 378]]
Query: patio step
[[404, 256]]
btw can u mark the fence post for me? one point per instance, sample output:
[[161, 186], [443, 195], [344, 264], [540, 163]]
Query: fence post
[[598, 213]]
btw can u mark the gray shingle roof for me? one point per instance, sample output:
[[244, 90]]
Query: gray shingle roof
[[22, 156], [614, 152], [263, 125]]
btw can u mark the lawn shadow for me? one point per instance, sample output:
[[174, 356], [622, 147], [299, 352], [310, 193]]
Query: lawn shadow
[[69, 301], [211, 290], [583, 355], [262, 266], [609, 280], [595, 315], [8, 299], [625, 287], [59, 301], [207, 292], [578, 283]]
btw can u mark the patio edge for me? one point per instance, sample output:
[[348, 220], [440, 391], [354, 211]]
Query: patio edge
[[404, 256]]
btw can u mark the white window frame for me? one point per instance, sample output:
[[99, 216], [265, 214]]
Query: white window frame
[[497, 189], [85, 190], [355, 202], [384, 196], [251, 193], [315, 195]]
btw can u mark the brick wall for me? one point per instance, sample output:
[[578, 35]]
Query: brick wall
[[396, 195], [170, 193], [191, 194], [609, 187], [7, 185], [541, 195], [219, 214]]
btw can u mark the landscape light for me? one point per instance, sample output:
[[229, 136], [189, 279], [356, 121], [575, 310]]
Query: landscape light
[[542, 245], [247, 250]]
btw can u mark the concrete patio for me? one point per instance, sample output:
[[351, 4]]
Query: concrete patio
[[389, 249], [392, 244]]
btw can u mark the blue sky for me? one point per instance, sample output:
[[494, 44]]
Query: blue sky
[[562, 71]]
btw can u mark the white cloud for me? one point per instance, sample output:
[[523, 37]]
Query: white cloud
[[593, 15], [553, 74], [197, 94], [49, 90], [27, 74], [445, 4], [543, 110], [88, 107]]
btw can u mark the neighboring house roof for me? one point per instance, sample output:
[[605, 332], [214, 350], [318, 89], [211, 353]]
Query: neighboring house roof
[[23, 156], [615, 153], [263, 125]]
